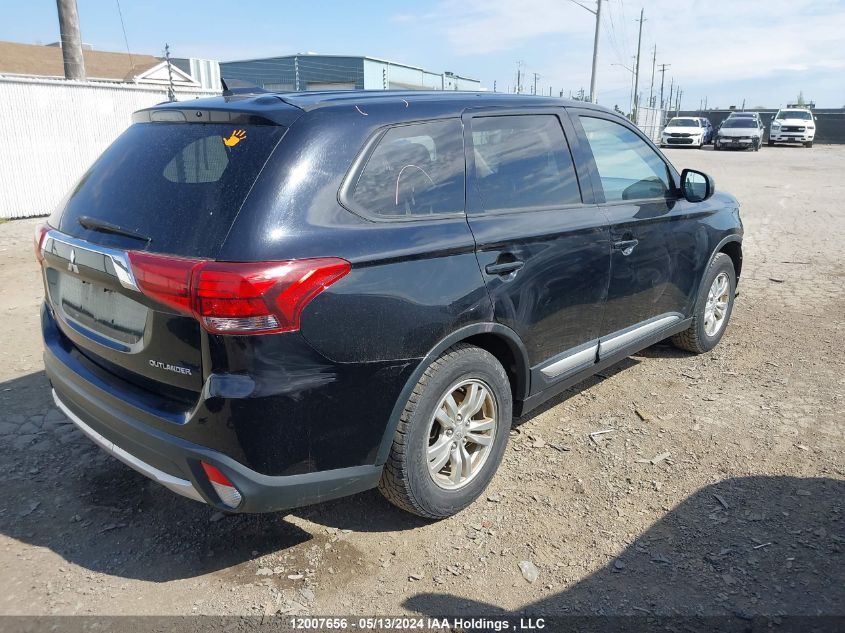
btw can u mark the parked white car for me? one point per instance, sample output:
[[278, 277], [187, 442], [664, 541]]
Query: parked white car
[[684, 131], [738, 132], [793, 125]]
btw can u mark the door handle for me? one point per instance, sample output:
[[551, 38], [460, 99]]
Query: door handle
[[626, 246], [503, 268]]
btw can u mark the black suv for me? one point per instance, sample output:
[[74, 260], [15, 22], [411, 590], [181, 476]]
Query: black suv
[[263, 301]]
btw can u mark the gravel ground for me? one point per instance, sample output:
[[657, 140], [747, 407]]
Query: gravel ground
[[741, 512]]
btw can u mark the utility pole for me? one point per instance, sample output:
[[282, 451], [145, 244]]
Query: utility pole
[[663, 68], [637, 67], [593, 95], [651, 89], [71, 40], [678, 101], [518, 77], [671, 100], [536, 77]]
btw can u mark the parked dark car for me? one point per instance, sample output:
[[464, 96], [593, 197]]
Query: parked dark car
[[265, 301], [708, 129]]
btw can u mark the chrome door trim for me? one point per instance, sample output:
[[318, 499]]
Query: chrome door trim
[[574, 360], [177, 485], [119, 259], [614, 343]]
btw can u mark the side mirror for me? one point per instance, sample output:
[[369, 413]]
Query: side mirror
[[696, 185]]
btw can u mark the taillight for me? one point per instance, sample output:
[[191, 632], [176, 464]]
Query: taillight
[[225, 489], [237, 298], [165, 279], [40, 234]]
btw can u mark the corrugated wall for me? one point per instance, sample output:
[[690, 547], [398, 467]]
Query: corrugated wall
[[54, 129]]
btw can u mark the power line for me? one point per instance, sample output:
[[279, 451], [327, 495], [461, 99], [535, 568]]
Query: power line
[[125, 39]]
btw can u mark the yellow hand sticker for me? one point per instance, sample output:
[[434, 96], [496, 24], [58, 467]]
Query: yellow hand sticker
[[236, 137]]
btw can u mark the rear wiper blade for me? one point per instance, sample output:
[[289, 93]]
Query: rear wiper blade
[[107, 227]]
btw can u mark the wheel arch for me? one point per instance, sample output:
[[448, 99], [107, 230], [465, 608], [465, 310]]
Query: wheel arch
[[732, 247], [502, 342]]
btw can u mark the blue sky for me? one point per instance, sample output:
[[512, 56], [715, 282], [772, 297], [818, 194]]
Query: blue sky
[[763, 52]]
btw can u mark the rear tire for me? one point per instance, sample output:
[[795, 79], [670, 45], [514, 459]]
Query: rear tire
[[409, 480], [710, 318]]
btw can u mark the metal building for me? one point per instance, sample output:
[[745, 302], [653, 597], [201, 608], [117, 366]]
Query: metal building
[[337, 72]]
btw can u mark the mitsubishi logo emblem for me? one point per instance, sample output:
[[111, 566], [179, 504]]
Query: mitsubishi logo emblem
[[71, 265]]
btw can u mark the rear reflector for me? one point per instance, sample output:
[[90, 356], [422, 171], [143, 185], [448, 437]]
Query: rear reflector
[[40, 234], [224, 488], [237, 298]]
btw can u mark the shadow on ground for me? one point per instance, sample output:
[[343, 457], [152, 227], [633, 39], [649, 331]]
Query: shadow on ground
[[97, 513], [93, 511], [731, 555]]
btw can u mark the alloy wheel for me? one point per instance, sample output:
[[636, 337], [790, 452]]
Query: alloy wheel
[[716, 308], [461, 434]]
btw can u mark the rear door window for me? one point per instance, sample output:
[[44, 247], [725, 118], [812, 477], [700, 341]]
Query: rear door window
[[523, 161], [415, 171], [179, 184]]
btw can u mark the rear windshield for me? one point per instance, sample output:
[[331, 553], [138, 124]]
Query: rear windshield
[[180, 185]]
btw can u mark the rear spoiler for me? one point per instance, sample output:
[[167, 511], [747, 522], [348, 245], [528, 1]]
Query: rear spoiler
[[239, 88]]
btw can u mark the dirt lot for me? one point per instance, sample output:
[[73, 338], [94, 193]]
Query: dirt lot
[[745, 516]]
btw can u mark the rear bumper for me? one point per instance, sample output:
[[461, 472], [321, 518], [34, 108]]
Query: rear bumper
[[176, 463], [180, 486]]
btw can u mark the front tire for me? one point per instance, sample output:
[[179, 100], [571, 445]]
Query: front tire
[[770, 143], [451, 435], [808, 144], [713, 308]]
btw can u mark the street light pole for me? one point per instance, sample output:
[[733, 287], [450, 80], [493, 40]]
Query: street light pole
[[631, 97]]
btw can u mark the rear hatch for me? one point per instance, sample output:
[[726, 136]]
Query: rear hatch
[[169, 188]]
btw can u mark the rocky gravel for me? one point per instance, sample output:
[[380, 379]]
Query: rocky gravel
[[670, 484]]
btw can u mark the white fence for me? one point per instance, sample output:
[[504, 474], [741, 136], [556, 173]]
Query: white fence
[[54, 129], [650, 121]]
